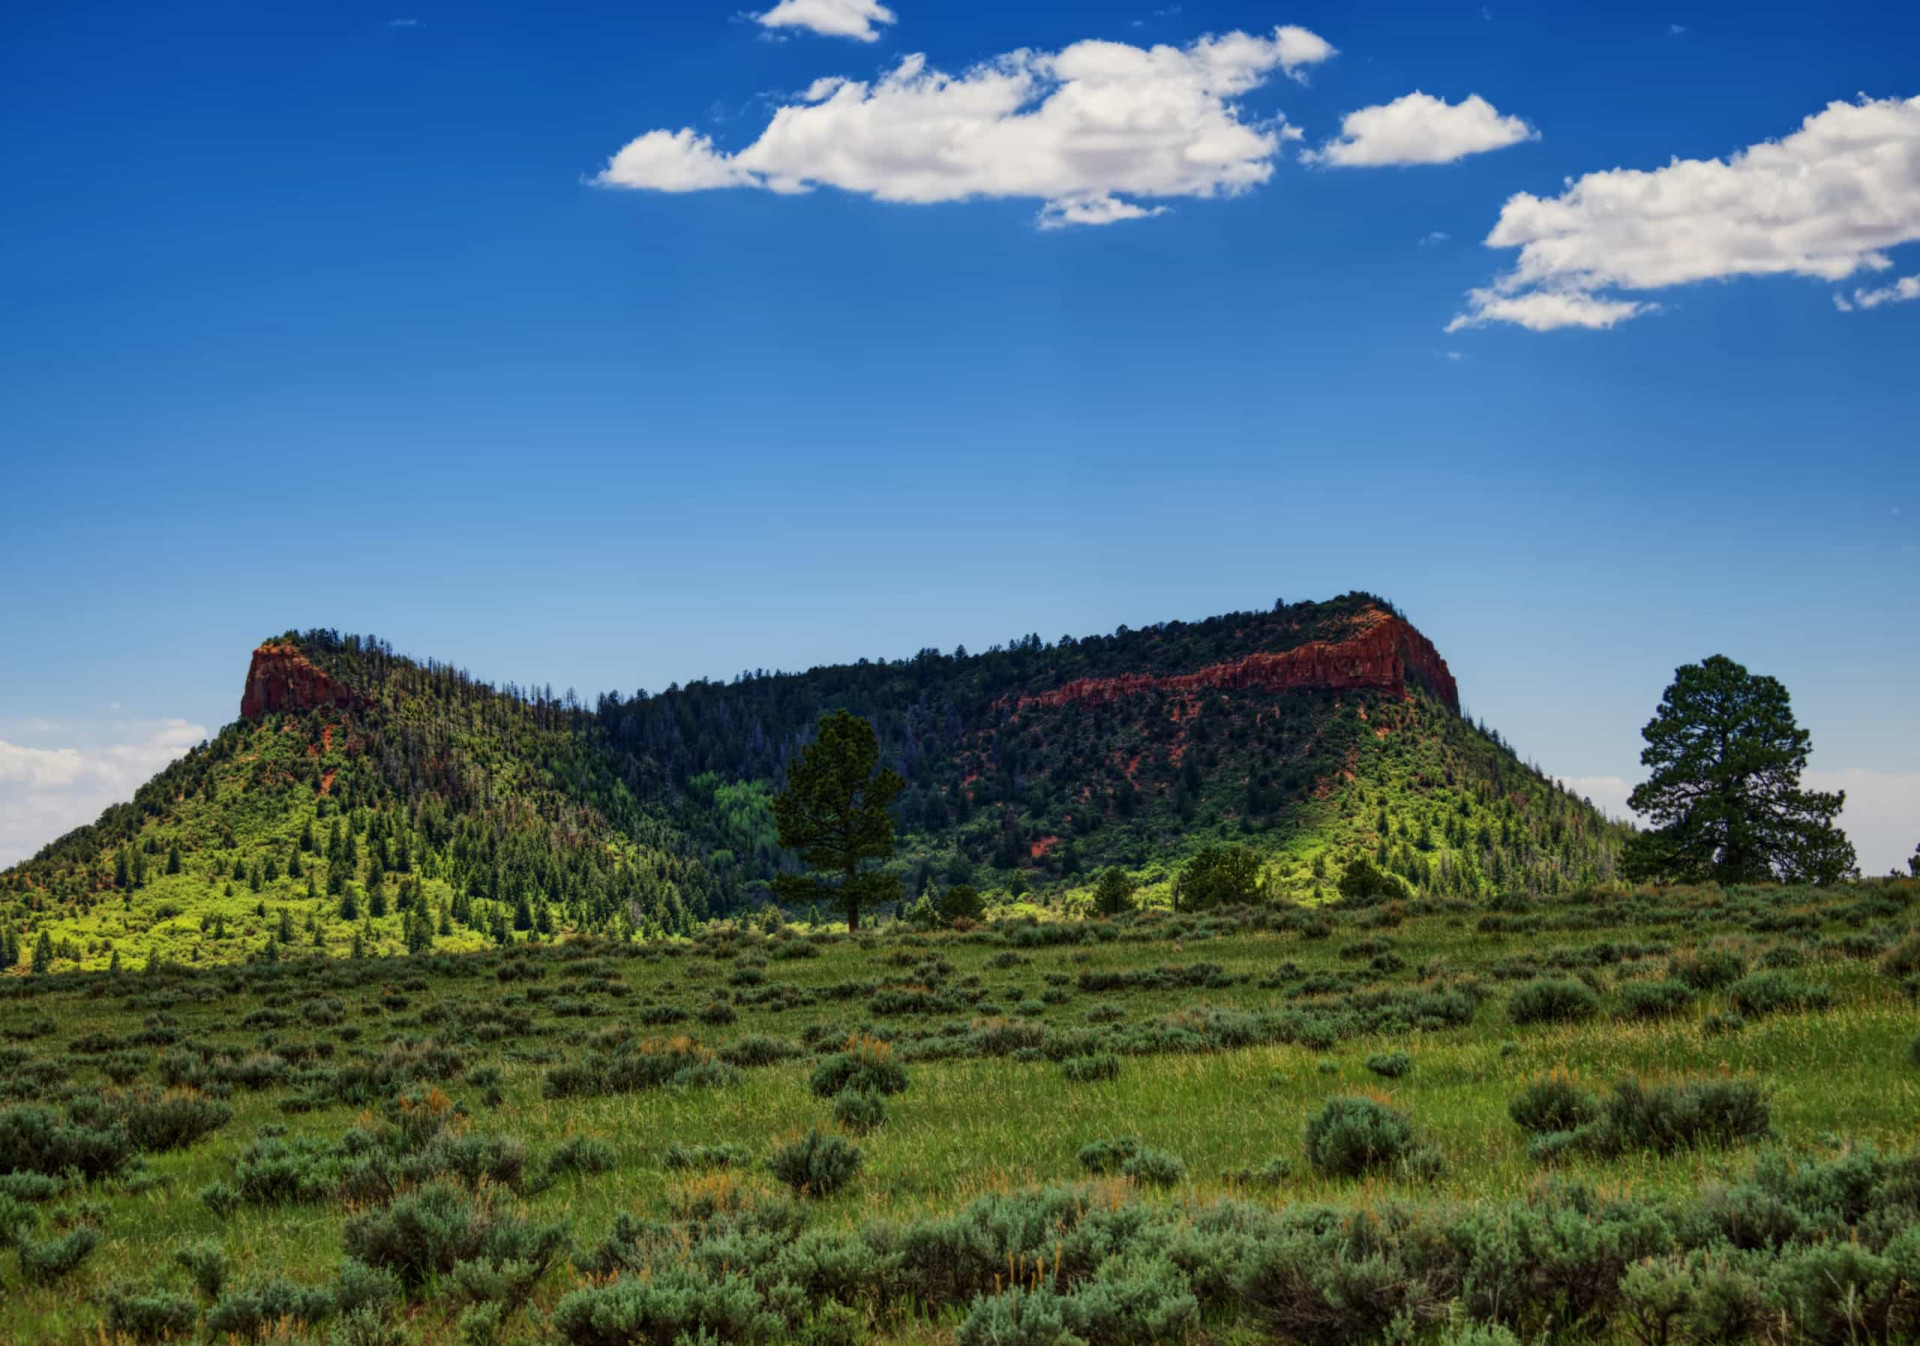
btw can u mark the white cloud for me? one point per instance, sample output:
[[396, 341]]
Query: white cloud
[[829, 18], [1606, 793], [1824, 202], [1900, 292], [1090, 131], [1418, 128], [46, 792], [1544, 310], [1882, 814], [1437, 236]]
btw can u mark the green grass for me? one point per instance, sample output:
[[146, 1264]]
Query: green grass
[[974, 1126]]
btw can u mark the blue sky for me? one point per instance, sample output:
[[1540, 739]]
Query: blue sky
[[379, 317]]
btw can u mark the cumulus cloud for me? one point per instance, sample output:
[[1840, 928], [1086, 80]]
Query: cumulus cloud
[[1902, 290], [830, 18], [1418, 128], [1096, 131], [46, 792], [1824, 202]]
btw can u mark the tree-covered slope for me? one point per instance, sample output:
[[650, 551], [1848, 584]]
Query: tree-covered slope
[[365, 798]]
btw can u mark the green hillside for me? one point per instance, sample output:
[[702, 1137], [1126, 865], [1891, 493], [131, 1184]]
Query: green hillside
[[373, 800]]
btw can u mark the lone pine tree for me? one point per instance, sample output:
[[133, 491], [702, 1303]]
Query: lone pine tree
[[1724, 795], [836, 815]]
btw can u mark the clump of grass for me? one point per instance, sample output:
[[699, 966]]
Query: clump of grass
[[1093, 1067]]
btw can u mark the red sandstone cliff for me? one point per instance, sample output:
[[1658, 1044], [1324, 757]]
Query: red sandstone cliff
[[282, 679], [1383, 654]]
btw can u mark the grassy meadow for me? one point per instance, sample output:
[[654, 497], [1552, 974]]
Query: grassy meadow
[[596, 1143]]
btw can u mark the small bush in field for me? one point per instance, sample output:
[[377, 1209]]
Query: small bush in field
[[172, 1121], [1552, 1000], [1352, 1135], [1156, 1168], [867, 1065], [1553, 1103], [1686, 1114], [1108, 1156], [858, 1111], [1709, 969], [206, 1262], [1766, 993], [150, 1313], [580, 1154], [1390, 1065], [678, 1156], [426, 1233], [1091, 1068], [1654, 999], [44, 1261], [816, 1164]]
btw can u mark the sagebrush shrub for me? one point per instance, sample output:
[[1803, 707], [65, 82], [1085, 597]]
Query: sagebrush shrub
[[150, 1313], [1154, 1167], [1352, 1135], [1686, 1114], [818, 1163], [1107, 1156], [1091, 1068], [859, 1111], [1765, 993], [1552, 1000], [680, 1156], [44, 1261], [674, 1303], [1391, 1065], [1553, 1103], [866, 1065], [35, 1140], [206, 1262], [1654, 999], [580, 1154], [1708, 969]]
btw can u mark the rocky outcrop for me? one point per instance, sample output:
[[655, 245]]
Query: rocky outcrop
[[1384, 654], [283, 679]]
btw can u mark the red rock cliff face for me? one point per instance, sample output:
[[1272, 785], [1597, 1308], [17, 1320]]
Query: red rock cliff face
[[282, 679], [1383, 654]]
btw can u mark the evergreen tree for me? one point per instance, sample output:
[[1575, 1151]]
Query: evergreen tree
[[173, 858], [349, 906], [1112, 892], [1725, 756], [835, 813], [42, 955]]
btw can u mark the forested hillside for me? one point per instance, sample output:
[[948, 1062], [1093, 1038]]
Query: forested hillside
[[367, 800]]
